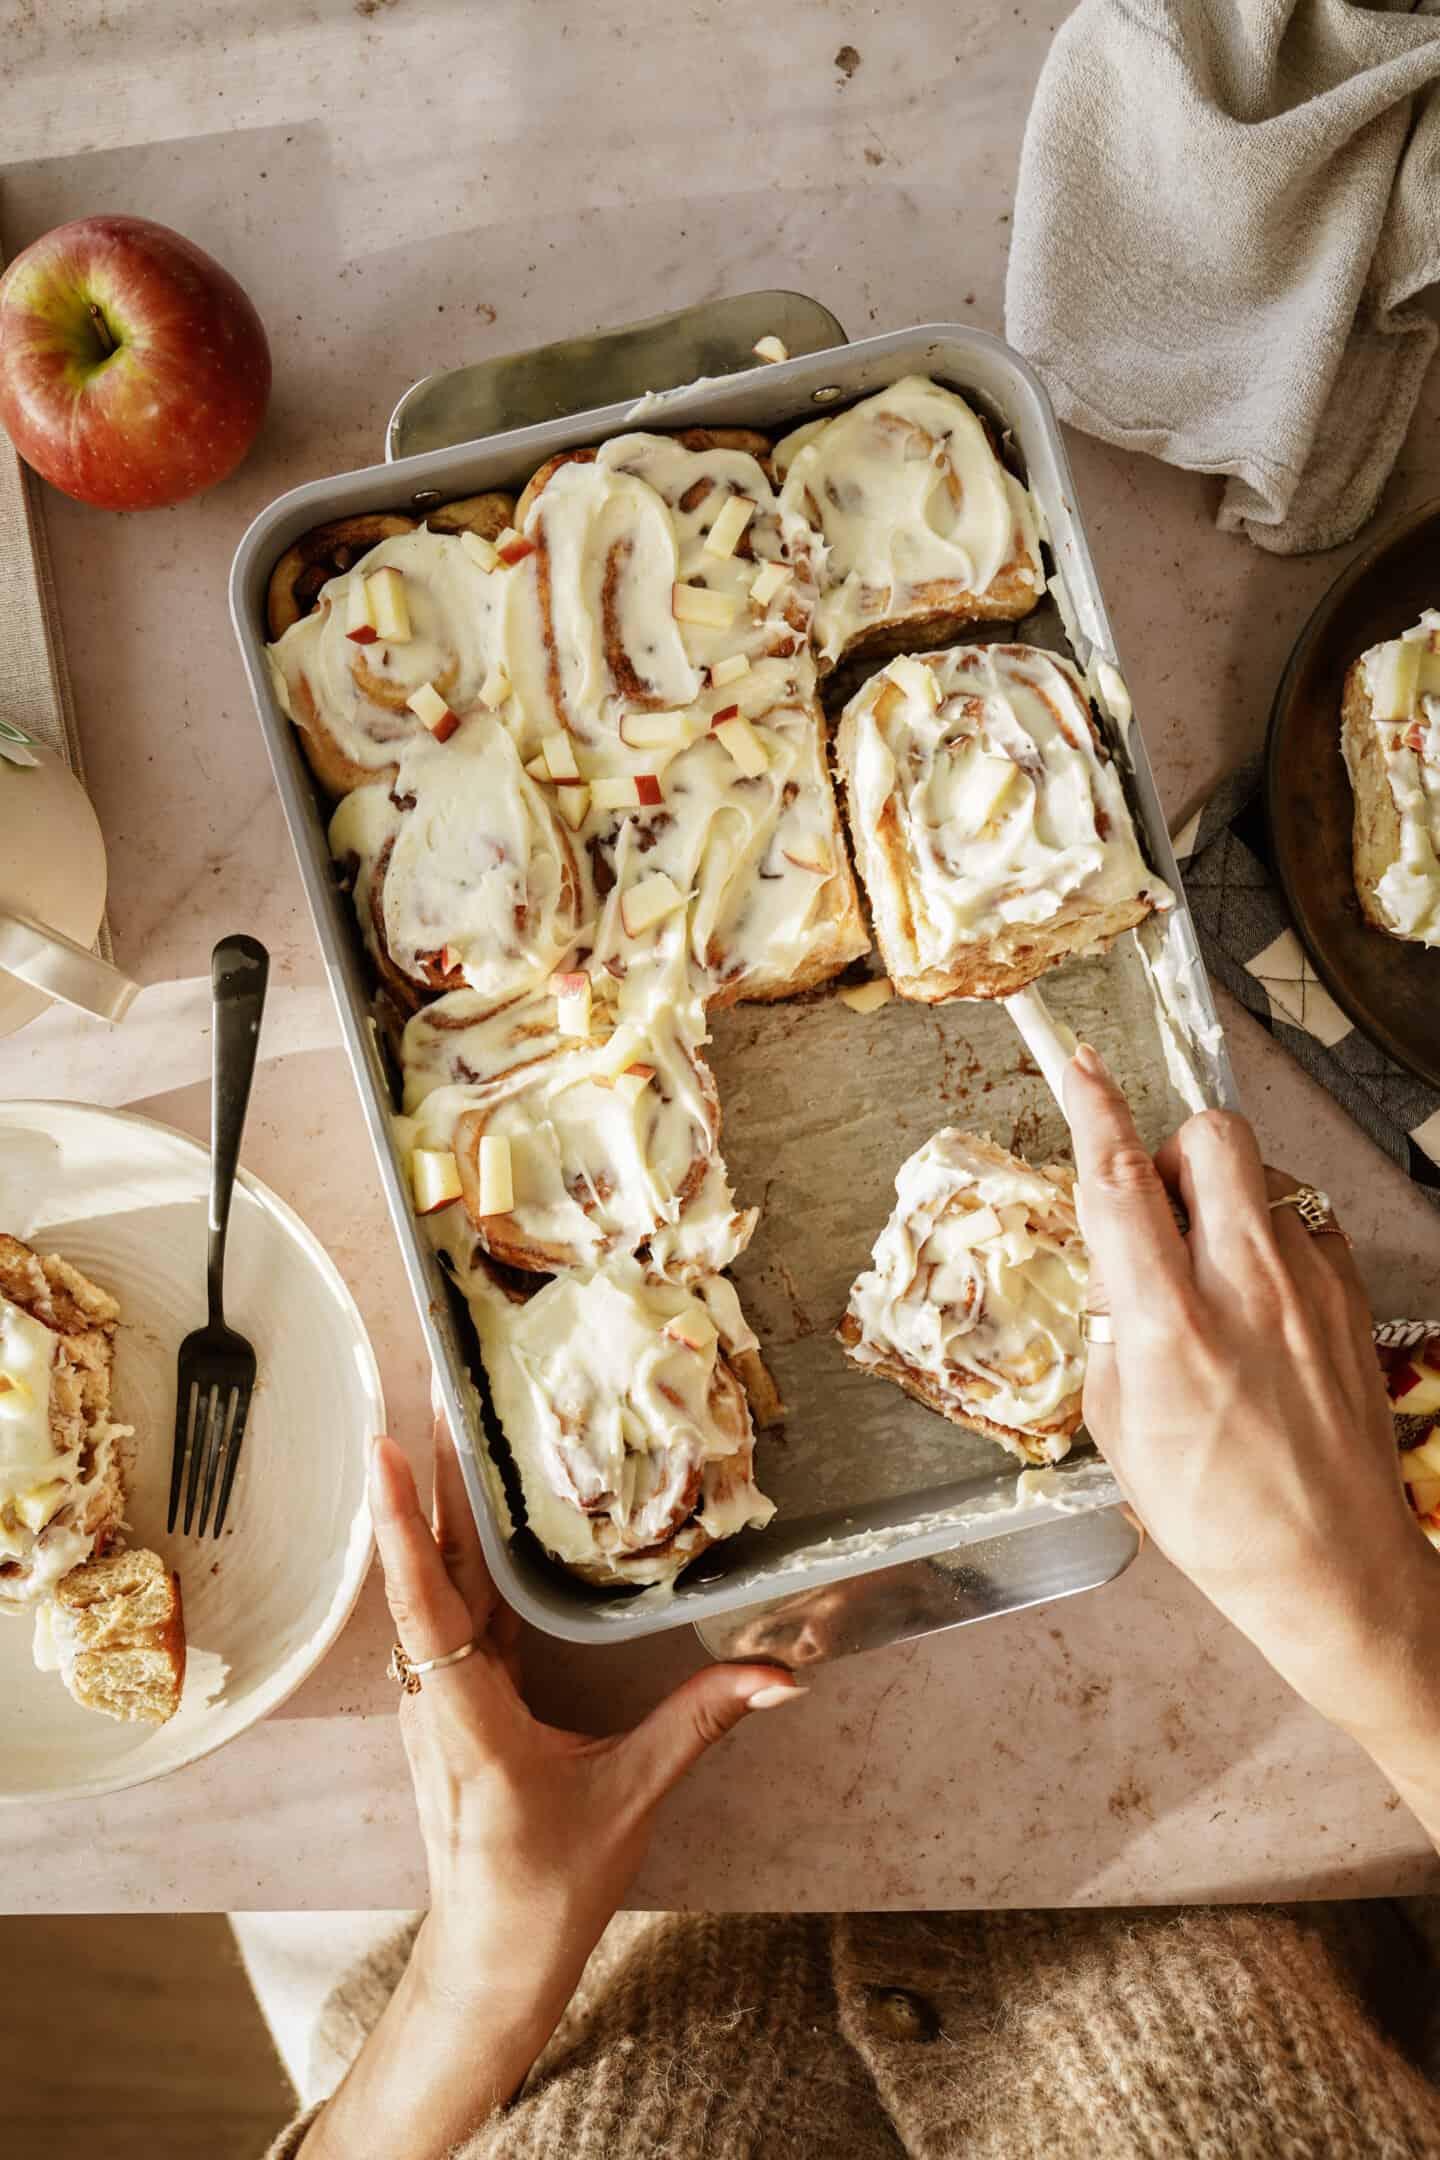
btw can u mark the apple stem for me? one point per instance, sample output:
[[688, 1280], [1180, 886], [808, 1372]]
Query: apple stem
[[102, 329]]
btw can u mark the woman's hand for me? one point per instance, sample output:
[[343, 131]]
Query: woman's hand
[[532, 1835], [1242, 1409]]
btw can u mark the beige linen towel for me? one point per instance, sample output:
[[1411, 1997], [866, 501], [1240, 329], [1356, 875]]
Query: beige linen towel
[[1224, 211]]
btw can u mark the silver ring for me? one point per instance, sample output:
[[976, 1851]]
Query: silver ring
[[1096, 1327], [407, 1670], [1311, 1205]]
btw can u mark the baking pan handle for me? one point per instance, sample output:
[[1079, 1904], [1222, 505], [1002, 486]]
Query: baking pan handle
[[607, 368], [926, 1597]]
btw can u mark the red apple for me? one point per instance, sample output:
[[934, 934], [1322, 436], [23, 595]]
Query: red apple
[[133, 369]]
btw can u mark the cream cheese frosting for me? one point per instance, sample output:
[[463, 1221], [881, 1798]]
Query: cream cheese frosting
[[981, 806], [976, 1288], [51, 1467], [598, 1171], [464, 857], [633, 1446], [913, 507], [1409, 890], [358, 693]]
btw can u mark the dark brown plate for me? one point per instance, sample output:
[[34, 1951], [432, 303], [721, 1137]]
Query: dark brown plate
[[1390, 989]]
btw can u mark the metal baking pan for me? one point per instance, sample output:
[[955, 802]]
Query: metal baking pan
[[820, 1106]]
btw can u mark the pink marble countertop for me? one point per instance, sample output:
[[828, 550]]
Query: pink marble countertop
[[404, 185]]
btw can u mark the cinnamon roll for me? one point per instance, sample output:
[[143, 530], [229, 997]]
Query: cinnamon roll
[[1390, 737], [419, 610], [990, 827], [625, 1417], [746, 827], [609, 1140], [923, 528], [973, 1300], [61, 1490], [463, 872]]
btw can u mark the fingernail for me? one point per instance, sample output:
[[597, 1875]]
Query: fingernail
[[1090, 1062], [770, 1698]]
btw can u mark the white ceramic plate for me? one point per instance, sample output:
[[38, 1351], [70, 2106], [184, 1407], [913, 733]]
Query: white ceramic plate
[[126, 1200]]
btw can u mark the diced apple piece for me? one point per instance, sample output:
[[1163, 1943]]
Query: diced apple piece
[[728, 671], [698, 604], [615, 791], [537, 767], [633, 1082], [810, 856], [724, 535], [976, 1227], [868, 997], [359, 615], [648, 903], [1018, 1246], [559, 754], [771, 578], [647, 787], [989, 785], [574, 806], [434, 1179], [427, 704], [389, 607], [745, 746], [497, 1178], [771, 349], [656, 730], [1425, 1496], [572, 1003], [721, 714], [513, 547], [889, 704], [495, 688], [1419, 1463], [482, 552], [1395, 680], [1429, 684], [694, 1328], [35, 1507], [623, 1050]]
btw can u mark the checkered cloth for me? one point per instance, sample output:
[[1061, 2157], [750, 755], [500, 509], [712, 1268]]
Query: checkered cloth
[[1249, 945]]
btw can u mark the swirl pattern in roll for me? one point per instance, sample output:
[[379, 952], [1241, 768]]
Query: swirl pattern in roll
[[991, 829], [463, 872], [921, 527], [973, 1299]]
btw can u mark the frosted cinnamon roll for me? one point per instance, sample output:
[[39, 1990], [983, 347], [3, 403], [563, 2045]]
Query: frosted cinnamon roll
[[923, 528], [1390, 737], [61, 1494], [973, 1298], [571, 1149], [464, 874], [416, 613], [625, 1418], [745, 828], [990, 827]]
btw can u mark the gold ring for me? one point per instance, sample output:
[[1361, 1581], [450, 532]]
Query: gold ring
[[1096, 1327], [407, 1670], [1312, 1206]]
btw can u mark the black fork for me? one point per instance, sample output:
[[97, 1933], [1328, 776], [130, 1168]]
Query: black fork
[[216, 1377]]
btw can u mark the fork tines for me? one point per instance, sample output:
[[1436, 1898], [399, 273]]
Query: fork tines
[[210, 1419]]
